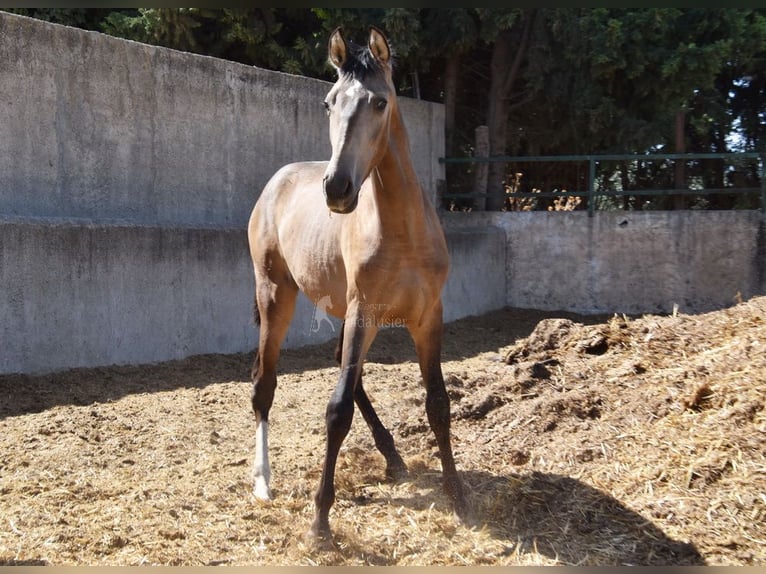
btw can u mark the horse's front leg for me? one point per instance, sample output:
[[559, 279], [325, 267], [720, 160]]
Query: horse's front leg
[[276, 304], [427, 337], [396, 468], [358, 335]]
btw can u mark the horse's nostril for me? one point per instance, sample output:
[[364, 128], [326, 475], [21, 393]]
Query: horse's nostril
[[337, 187]]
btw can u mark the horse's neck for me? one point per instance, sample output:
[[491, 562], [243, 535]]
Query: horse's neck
[[399, 196]]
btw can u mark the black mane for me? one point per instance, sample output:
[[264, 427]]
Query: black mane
[[359, 62]]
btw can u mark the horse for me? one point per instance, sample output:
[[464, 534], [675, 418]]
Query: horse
[[359, 231]]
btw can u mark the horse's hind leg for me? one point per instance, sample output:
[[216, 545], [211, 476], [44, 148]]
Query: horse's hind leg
[[276, 304], [395, 466], [427, 337], [384, 441]]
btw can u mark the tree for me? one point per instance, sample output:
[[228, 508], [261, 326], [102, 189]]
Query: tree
[[243, 35], [509, 30], [606, 80], [85, 18]]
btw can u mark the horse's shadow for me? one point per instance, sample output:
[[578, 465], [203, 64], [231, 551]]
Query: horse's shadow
[[561, 518]]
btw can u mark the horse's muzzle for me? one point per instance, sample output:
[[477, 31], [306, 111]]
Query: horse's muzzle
[[340, 195]]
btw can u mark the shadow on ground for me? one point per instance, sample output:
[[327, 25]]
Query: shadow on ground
[[559, 517]]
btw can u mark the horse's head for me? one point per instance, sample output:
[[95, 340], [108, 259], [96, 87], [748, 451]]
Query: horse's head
[[359, 106]]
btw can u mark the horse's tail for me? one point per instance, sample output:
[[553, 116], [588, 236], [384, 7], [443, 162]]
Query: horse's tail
[[256, 311], [257, 320]]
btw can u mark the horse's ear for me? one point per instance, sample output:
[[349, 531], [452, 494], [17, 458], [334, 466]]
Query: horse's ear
[[336, 48], [379, 46]]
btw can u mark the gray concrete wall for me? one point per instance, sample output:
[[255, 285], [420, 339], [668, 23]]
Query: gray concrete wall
[[477, 280], [86, 295], [105, 129], [80, 295], [629, 262]]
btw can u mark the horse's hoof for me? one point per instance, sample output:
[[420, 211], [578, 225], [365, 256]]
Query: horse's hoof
[[261, 490], [397, 471], [462, 513], [319, 539]]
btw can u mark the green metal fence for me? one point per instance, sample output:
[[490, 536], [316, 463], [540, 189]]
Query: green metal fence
[[593, 160]]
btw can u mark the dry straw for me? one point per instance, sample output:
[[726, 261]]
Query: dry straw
[[600, 442]]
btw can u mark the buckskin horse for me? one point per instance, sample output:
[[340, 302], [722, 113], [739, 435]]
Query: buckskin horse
[[360, 232]]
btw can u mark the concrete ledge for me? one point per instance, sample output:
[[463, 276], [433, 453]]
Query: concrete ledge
[[628, 262], [80, 294], [87, 295]]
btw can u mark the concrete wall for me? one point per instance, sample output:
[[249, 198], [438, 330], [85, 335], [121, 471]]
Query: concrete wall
[[84, 295], [477, 279], [629, 262], [105, 129], [90, 294]]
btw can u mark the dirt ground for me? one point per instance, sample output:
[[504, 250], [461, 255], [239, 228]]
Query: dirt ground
[[581, 440]]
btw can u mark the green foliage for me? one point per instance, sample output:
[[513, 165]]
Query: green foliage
[[612, 79], [86, 18], [495, 20], [446, 32], [126, 25]]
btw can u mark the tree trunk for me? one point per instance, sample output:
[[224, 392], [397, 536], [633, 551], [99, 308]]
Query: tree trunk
[[451, 76], [480, 169], [497, 119], [679, 201], [451, 73], [503, 76]]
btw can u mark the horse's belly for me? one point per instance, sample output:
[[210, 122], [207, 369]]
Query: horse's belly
[[321, 277]]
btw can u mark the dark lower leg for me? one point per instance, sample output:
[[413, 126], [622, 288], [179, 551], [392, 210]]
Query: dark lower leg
[[395, 466], [384, 441], [428, 345], [438, 411], [340, 413]]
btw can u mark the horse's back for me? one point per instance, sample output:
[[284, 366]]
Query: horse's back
[[279, 194], [288, 179]]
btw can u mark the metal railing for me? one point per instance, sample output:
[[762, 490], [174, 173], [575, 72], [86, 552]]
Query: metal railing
[[591, 193]]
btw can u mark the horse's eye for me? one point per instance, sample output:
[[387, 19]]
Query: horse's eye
[[326, 106], [380, 104]]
